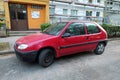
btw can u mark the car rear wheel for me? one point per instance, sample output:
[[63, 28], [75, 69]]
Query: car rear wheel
[[99, 49], [46, 57]]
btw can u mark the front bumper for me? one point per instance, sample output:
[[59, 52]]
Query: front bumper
[[26, 56]]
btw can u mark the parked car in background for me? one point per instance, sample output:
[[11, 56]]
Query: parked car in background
[[62, 38]]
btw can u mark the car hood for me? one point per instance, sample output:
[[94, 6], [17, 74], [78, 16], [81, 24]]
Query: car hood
[[33, 38]]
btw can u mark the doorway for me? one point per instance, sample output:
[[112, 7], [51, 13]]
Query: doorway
[[18, 16]]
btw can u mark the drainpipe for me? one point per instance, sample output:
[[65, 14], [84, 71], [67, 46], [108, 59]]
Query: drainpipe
[[105, 13], [106, 7]]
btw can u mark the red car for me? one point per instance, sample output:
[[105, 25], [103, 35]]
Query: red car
[[62, 38]]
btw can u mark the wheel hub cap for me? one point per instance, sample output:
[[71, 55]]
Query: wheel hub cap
[[101, 48]]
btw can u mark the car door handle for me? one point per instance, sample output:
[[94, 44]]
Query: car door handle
[[87, 37]]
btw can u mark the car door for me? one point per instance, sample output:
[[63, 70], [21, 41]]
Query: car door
[[93, 34], [73, 39]]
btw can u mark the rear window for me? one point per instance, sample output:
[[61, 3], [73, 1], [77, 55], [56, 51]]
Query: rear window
[[92, 28]]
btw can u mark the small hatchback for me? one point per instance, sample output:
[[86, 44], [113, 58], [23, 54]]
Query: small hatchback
[[60, 39]]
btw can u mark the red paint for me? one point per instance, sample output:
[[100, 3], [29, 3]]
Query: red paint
[[63, 46]]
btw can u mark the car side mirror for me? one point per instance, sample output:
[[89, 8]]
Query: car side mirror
[[66, 35]]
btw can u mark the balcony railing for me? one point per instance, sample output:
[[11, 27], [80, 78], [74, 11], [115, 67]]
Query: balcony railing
[[88, 4], [64, 1]]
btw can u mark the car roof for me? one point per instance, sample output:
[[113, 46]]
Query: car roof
[[76, 21]]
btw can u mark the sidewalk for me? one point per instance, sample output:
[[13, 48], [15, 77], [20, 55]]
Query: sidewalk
[[11, 40]]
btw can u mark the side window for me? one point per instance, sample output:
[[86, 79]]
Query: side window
[[92, 28], [76, 29]]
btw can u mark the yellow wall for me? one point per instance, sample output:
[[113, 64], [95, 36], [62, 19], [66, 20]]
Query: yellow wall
[[32, 23], [2, 15], [1, 5], [7, 15]]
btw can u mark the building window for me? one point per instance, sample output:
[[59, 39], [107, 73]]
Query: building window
[[110, 2], [98, 1], [36, 6], [1, 12], [90, 1], [88, 13], [97, 14], [74, 12], [65, 11], [21, 15], [52, 10]]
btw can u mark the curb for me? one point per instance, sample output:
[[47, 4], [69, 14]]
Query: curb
[[112, 39], [7, 52], [12, 51]]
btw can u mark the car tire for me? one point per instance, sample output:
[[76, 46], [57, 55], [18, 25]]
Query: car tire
[[99, 49], [46, 57]]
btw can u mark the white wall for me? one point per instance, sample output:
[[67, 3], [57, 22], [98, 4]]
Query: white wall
[[81, 11], [59, 6], [94, 2]]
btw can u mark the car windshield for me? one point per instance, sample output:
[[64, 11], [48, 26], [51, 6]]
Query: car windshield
[[55, 29]]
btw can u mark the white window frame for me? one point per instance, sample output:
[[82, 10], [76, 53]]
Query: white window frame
[[98, 1], [90, 13], [97, 14], [90, 1], [74, 12], [65, 11], [52, 9]]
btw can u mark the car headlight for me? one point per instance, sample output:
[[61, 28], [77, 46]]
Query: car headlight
[[22, 46]]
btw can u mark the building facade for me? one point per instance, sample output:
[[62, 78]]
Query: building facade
[[113, 12], [25, 14], [82, 9], [2, 14]]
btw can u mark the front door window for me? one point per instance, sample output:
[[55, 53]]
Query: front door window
[[76, 29]]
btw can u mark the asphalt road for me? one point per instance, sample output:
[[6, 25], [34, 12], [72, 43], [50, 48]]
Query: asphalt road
[[82, 66]]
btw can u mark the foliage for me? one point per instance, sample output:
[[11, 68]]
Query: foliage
[[1, 24], [113, 31], [44, 26]]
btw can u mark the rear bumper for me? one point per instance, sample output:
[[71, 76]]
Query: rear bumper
[[26, 56], [106, 42]]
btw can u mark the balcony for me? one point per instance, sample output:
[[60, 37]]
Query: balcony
[[63, 1], [116, 0], [88, 4]]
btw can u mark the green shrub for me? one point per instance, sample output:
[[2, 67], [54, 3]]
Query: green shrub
[[1, 24], [44, 26], [113, 31]]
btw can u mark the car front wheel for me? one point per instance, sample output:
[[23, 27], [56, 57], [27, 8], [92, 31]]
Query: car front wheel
[[46, 57], [99, 49]]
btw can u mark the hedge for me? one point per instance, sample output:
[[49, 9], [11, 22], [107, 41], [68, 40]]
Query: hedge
[[113, 31], [1, 24], [44, 26]]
